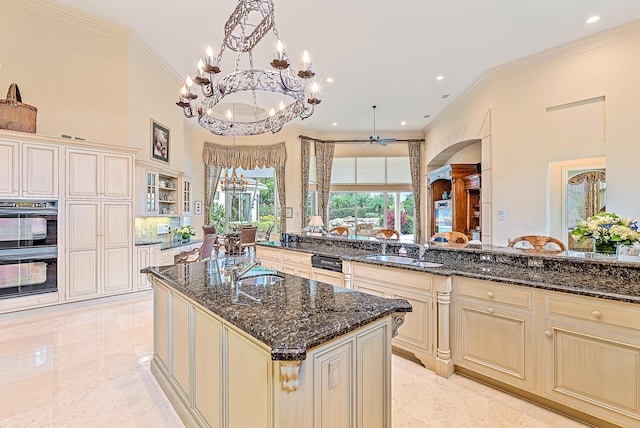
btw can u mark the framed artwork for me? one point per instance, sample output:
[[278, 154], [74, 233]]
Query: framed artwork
[[198, 207], [160, 136], [288, 212]]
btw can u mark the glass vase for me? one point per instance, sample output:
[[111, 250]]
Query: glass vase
[[605, 249]]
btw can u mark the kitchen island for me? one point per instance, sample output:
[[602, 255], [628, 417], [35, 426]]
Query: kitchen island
[[291, 353]]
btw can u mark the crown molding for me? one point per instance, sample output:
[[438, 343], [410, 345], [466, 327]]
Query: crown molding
[[73, 16], [575, 47], [143, 48]]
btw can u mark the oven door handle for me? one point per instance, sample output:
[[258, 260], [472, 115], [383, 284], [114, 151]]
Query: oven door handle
[[33, 253], [29, 211]]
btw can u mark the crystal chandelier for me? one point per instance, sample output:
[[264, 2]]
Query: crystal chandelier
[[280, 79], [233, 184]]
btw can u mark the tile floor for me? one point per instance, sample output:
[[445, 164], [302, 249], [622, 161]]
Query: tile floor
[[89, 367]]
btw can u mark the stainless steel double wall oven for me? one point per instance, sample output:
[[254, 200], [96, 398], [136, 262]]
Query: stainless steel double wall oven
[[28, 247]]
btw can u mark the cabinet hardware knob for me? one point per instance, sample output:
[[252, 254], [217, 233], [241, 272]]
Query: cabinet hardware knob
[[548, 333], [490, 294], [490, 310], [596, 314]]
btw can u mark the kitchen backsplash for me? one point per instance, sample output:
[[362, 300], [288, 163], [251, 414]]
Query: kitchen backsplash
[[147, 228]]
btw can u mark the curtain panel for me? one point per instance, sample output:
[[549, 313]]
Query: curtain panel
[[415, 162], [304, 186], [324, 165], [218, 156], [591, 181], [211, 180]]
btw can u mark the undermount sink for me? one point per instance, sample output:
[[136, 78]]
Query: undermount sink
[[394, 259], [427, 264], [261, 280]]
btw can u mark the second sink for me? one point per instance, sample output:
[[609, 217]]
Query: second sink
[[394, 259]]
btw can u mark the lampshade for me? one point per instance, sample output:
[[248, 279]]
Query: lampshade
[[315, 221]]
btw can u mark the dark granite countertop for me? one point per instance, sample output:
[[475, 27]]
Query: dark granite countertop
[[595, 278], [140, 243], [291, 316]]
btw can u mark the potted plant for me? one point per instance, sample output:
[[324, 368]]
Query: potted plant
[[608, 230], [217, 215]]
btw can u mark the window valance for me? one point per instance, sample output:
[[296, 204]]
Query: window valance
[[246, 157]]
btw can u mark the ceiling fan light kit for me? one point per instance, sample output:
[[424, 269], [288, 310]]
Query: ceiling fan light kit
[[375, 138]]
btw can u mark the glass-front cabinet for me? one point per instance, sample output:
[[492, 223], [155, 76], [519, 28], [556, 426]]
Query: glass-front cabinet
[[187, 204], [159, 192], [151, 193]]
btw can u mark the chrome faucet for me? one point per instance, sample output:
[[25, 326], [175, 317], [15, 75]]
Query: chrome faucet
[[384, 248], [421, 250], [237, 274]]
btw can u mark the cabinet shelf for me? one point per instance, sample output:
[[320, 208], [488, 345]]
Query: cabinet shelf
[[167, 202], [170, 189]]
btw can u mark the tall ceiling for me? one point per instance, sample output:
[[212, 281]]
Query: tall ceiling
[[379, 52]]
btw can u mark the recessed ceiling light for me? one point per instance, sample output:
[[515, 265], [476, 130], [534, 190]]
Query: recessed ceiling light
[[440, 78], [403, 123], [594, 18], [335, 124], [329, 79], [445, 96], [427, 116]]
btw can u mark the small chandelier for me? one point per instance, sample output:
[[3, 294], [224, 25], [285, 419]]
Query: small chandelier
[[280, 79], [233, 184]]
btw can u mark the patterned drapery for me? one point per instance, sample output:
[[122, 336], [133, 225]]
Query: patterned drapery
[[247, 157], [304, 186], [324, 165], [211, 180], [415, 162], [590, 180]]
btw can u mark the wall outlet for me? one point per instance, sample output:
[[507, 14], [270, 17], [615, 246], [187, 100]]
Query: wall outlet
[[527, 225], [502, 214], [502, 224]]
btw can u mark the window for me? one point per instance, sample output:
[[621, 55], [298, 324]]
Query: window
[[363, 212], [257, 205]]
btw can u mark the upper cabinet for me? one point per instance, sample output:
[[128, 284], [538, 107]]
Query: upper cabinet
[[158, 192], [454, 193], [96, 174], [187, 203], [28, 170]]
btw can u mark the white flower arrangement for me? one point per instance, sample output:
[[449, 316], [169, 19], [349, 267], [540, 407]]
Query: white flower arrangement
[[607, 228], [186, 232]]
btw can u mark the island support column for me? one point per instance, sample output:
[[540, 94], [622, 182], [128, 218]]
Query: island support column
[[444, 364]]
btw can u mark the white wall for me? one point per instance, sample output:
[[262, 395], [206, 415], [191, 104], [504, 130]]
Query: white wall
[[523, 134], [75, 75]]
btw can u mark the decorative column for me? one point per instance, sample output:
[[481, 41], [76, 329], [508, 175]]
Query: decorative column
[[444, 363]]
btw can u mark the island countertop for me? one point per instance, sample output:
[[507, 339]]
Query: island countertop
[[291, 316]]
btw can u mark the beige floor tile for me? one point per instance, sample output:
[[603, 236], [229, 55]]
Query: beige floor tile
[[89, 367]]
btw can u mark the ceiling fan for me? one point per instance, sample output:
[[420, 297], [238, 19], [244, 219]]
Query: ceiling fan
[[375, 138]]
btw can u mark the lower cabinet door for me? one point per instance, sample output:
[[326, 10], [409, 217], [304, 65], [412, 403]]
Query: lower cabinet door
[[595, 371], [495, 341], [207, 368], [415, 333]]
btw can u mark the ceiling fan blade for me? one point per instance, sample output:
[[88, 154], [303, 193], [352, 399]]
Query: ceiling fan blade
[[387, 140], [383, 143]]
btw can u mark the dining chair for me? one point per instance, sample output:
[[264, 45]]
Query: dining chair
[[390, 234], [200, 254], [449, 239], [247, 239], [538, 244], [340, 231], [266, 235]]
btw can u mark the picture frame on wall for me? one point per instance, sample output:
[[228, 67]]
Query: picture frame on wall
[[160, 139]]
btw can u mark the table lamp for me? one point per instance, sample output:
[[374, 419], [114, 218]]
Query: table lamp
[[315, 225]]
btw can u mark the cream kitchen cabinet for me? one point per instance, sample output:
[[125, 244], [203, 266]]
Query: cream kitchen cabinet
[[98, 174], [158, 192], [28, 170], [269, 256], [186, 195], [99, 250], [493, 330], [592, 356], [328, 277], [146, 255], [418, 333], [296, 263]]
